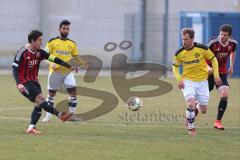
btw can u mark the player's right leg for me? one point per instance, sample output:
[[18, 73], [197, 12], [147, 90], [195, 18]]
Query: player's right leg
[[190, 114], [54, 83], [189, 93]]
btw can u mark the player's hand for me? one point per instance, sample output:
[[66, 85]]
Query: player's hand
[[21, 88], [210, 69], [180, 85], [54, 66], [85, 66], [218, 81], [230, 72], [74, 68]]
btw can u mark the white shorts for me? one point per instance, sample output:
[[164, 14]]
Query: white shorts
[[56, 80], [196, 90]]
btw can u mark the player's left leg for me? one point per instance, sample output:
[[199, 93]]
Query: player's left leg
[[222, 105], [34, 91], [70, 85], [38, 98], [202, 96], [202, 104], [224, 92], [54, 82], [36, 113], [35, 116], [72, 103], [72, 100]]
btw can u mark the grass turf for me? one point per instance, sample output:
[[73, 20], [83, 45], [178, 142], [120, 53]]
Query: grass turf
[[120, 134]]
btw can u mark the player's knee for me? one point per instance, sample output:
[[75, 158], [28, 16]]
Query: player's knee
[[203, 109], [38, 108], [39, 99], [191, 103], [72, 91], [191, 106], [44, 105], [223, 91], [224, 94], [52, 93]]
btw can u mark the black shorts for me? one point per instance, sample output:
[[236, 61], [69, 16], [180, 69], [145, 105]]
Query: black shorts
[[33, 89], [211, 82]]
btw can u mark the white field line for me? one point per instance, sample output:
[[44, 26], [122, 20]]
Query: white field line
[[14, 118], [16, 108], [140, 125], [115, 124]]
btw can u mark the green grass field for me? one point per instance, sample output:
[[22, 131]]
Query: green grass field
[[120, 134]]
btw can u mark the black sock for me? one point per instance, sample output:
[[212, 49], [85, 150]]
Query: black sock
[[222, 107], [36, 114], [49, 108]]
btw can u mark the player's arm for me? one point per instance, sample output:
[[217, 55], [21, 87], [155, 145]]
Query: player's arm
[[209, 69], [210, 56], [232, 61], [175, 67], [16, 62], [215, 66], [59, 61], [210, 46], [48, 48], [56, 60], [79, 61]]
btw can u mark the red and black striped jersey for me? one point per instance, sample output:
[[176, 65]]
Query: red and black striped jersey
[[222, 52], [26, 63]]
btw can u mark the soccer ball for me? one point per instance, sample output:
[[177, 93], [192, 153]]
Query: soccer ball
[[134, 103]]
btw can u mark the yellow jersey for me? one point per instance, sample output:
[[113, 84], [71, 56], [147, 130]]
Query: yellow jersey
[[64, 49], [193, 63]]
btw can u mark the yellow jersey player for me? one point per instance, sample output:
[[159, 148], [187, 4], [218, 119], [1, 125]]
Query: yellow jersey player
[[193, 80], [66, 49]]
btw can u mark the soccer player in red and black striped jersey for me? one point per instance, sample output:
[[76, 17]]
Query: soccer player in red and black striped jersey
[[223, 47], [25, 71]]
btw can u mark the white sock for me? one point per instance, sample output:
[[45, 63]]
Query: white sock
[[49, 100], [48, 115], [190, 115], [72, 109], [31, 126], [72, 102], [59, 114]]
